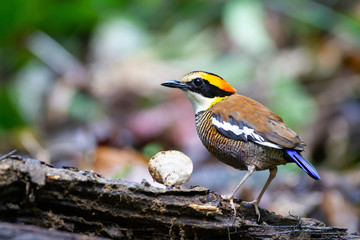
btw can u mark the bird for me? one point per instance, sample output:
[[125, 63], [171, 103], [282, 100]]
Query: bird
[[240, 131]]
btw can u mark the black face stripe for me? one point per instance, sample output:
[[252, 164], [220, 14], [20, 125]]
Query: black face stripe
[[207, 90]]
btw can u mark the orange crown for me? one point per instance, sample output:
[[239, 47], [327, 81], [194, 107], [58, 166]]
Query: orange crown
[[217, 81]]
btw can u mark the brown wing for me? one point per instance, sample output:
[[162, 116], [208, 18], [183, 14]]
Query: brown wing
[[256, 116]]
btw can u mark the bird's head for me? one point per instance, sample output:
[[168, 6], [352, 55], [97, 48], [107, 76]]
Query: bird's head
[[202, 88]]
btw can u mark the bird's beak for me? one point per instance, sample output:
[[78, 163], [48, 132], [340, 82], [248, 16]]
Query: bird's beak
[[175, 84]]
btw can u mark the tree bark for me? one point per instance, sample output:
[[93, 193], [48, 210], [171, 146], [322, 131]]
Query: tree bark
[[73, 201]]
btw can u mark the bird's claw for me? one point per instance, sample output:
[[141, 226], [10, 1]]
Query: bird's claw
[[227, 197], [256, 206], [231, 201]]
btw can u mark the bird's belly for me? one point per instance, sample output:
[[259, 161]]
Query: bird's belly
[[238, 154]]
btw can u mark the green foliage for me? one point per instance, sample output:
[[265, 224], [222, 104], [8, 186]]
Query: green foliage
[[299, 110], [10, 118], [151, 149], [84, 108], [123, 172], [244, 21], [20, 17]]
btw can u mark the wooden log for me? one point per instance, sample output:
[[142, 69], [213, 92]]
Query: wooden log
[[74, 201], [21, 231]]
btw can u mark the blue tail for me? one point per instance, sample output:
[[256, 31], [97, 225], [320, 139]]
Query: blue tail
[[302, 163]]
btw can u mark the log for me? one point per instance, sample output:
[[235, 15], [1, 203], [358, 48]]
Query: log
[[73, 201], [21, 231]]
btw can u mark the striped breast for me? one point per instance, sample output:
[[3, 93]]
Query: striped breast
[[236, 153]]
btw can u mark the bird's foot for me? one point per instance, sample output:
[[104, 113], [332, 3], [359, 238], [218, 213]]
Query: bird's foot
[[227, 197], [256, 206], [231, 201]]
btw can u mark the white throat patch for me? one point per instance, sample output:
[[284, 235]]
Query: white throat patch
[[198, 101]]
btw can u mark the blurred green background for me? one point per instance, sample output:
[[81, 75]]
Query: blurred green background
[[80, 86]]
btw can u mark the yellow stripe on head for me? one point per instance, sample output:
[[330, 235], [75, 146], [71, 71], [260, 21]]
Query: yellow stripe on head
[[217, 81]]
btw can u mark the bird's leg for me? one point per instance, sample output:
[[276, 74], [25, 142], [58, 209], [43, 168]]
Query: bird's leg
[[230, 197], [256, 202]]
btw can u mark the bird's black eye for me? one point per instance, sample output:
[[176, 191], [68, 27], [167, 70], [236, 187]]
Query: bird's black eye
[[198, 82]]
